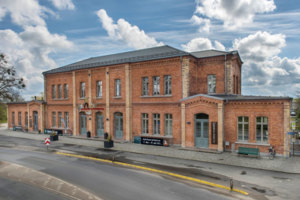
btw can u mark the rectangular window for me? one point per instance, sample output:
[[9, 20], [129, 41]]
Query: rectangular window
[[211, 83], [59, 119], [66, 120], [66, 91], [262, 129], [117, 87], [53, 92], [13, 118], [82, 89], [20, 118], [168, 125], [145, 86], [167, 84], [145, 123], [59, 87], [26, 119], [243, 128], [53, 119], [99, 89], [156, 88], [156, 124]]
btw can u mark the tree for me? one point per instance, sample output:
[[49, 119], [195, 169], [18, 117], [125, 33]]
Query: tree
[[10, 83]]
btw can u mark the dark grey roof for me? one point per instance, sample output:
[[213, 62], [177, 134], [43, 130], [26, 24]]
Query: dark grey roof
[[248, 97], [237, 97], [208, 53], [127, 57]]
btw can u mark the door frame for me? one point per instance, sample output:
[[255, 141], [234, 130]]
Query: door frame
[[35, 120], [80, 127], [202, 118], [120, 118], [96, 120]]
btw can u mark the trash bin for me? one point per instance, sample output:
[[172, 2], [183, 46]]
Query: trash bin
[[14, 128], [88, 134]]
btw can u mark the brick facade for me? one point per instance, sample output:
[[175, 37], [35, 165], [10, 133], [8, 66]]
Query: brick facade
[[189, 98]]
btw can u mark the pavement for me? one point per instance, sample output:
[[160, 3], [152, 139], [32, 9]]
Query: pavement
[[279, 164]]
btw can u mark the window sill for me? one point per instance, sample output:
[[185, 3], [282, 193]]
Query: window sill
[[157, 96], [117, 97], [99, 98], [258, 144], [82, 98], [61, 99]]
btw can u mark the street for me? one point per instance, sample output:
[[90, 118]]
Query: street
[[110, 181], [104, 180]]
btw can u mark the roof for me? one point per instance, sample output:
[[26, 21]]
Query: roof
[[208, 53], [119, 58], [250, 97], [237, 97], [25, 102]]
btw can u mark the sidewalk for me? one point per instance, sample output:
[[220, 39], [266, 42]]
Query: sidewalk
[[288, 165]]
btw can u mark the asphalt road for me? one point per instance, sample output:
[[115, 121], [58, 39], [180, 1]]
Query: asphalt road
[[107, 181]]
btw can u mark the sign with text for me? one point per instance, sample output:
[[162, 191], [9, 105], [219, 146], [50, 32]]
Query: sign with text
[[152, 141], [214, 132]]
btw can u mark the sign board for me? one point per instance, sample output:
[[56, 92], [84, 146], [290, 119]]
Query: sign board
[[214, 132], [152, 141], [292, 133], [47, 141], [293, 125], [50, 131]]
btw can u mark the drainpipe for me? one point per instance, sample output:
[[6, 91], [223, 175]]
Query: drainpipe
[[226, 74]]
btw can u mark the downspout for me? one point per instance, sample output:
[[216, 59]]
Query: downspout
[[181, 78], [225, 74]]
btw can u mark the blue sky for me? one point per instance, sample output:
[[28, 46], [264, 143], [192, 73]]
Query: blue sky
[[38, 35]]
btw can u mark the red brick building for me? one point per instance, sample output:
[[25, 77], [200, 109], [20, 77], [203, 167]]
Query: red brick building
[[188, 99]]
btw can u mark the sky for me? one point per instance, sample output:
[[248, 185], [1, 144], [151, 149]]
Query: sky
[[39, 35]]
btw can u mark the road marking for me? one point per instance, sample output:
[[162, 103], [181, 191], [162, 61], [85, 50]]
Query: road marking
[[156, 171]]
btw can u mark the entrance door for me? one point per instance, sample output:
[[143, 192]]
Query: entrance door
[[201, 131], [99, 124], [118, 125], [82, 122], [35, 121]]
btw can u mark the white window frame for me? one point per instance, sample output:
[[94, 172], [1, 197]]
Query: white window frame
[[156, 124], [145, 123], [59, 88], [211, 83], [168, 124], [145, 86], [53, 119], [99, 89], [66, 118], [66, 91], [117, 87], [82, 89], [241, 121], [262, 124], [156, 85], [167, 85]]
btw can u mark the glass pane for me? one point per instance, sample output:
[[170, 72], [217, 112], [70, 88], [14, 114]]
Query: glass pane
[[205, 130], [265, 119], [246, 119], [198, 129], [258, 119], [240, 119], [246, 131], [258, 133], [240, 132], [265, 133]]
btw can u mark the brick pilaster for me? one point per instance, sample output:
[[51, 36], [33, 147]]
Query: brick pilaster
[[183, 125], [107, 127], [128, 90], [220, 126], [286, 128], [185, 77], [74, 105]]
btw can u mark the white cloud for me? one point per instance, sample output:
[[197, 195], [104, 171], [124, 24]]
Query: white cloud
[[260, 46], [233, 13], [63, 4], [263, 69], [199, 44], [203, 23], [124, 31], [29, 52], [24, 13]]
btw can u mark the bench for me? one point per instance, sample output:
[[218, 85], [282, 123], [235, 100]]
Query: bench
[[18, 128], [248, 151]]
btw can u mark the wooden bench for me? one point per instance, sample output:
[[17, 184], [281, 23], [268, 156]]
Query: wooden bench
[[248, 151]]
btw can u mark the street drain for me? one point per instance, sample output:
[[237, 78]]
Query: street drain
[[280, 178], [259, 190]]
